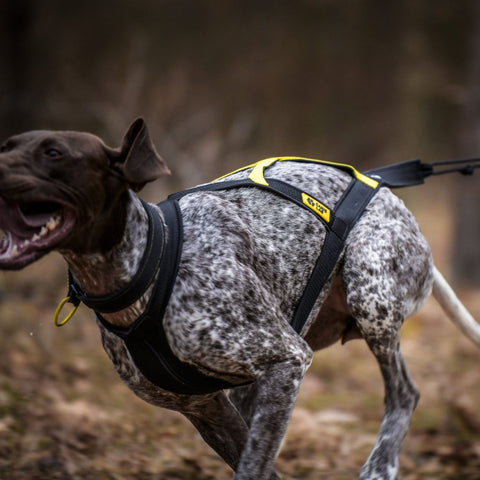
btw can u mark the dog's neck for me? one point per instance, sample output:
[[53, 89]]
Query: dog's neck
[[102, 274]]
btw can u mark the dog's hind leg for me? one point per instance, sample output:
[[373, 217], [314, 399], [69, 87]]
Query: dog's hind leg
[[379, 317], [377, 303], [401, 398], [387, 276]]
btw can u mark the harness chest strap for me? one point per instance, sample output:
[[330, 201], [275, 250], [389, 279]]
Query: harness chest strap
[[146, 339]]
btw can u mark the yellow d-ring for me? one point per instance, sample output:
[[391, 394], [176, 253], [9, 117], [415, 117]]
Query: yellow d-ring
[[60, 323]]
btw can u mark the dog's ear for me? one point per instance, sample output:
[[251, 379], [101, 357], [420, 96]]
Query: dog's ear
[[140, 162]]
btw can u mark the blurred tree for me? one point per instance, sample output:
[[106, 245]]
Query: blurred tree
[[466, 252], [16, 72]]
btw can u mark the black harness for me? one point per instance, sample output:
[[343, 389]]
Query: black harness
[[146, 340]]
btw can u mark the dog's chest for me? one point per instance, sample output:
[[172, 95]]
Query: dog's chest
[[128, 372], [119, 356]]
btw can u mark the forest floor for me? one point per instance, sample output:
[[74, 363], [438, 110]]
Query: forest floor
[[65, 415]]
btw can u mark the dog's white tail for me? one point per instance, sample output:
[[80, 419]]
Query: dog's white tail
[[454, 308]]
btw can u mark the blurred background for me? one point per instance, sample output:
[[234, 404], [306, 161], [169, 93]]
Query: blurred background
[[222, 84]]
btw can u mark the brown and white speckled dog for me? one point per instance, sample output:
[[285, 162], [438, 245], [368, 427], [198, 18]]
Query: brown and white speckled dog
[[246, 258]]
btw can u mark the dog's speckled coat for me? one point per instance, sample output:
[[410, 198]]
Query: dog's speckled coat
[[247, 256]]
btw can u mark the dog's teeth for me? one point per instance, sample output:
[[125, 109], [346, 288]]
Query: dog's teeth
[[35, 238], [43, 231], [14, 251], [53, 223]]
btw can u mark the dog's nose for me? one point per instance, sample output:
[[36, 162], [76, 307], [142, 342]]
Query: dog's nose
[[6, 165], [2, 169], [10, 161], [3, 179], [4, 161]]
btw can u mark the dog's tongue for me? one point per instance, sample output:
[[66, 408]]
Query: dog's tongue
[[34, 220], [14, 221]]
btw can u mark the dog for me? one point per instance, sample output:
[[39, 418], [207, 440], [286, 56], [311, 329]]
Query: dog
[[247, 256]]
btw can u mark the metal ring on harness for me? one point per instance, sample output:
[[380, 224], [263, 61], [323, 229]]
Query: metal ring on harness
[[61, 323]]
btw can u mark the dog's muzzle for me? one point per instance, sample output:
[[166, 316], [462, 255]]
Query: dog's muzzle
[[30, 230]]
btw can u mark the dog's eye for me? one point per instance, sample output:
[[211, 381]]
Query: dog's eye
[[52, 152]]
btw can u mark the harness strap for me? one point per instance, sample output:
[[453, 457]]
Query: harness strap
[[347, 211], [279, 187], [145, 275]]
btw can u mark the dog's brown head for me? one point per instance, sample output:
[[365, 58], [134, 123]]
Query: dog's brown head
[[67, 190]]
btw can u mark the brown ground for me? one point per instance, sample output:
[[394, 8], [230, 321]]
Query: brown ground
[[65, 415]]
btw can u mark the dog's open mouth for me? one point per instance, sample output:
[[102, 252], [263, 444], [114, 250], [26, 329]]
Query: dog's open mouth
[[30, 230]]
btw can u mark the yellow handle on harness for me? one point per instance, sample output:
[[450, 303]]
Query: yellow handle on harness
[[257, 176], [257, 173], [61, 323]]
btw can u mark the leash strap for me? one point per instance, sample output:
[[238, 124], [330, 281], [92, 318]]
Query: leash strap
[[414, 172], [403, 174]]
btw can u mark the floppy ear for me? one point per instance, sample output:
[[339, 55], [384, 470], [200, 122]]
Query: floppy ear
[[140, 162]]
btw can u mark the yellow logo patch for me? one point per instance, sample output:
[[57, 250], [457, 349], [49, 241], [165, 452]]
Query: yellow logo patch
[[316, 206]]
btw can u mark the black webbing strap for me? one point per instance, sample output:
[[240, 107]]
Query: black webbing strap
[[145, 275], [347, 211], [285, 190], [146, 339], [403, 174], [414, 172]]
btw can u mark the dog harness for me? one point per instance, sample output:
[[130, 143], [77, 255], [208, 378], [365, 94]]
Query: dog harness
[[339, 220], [146, 339]]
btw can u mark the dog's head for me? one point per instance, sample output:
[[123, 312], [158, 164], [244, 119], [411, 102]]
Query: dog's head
[[67, 190]]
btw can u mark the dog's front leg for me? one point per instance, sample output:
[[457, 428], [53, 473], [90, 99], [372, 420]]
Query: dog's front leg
[[276, 395], [221, 426], [244, 400]]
